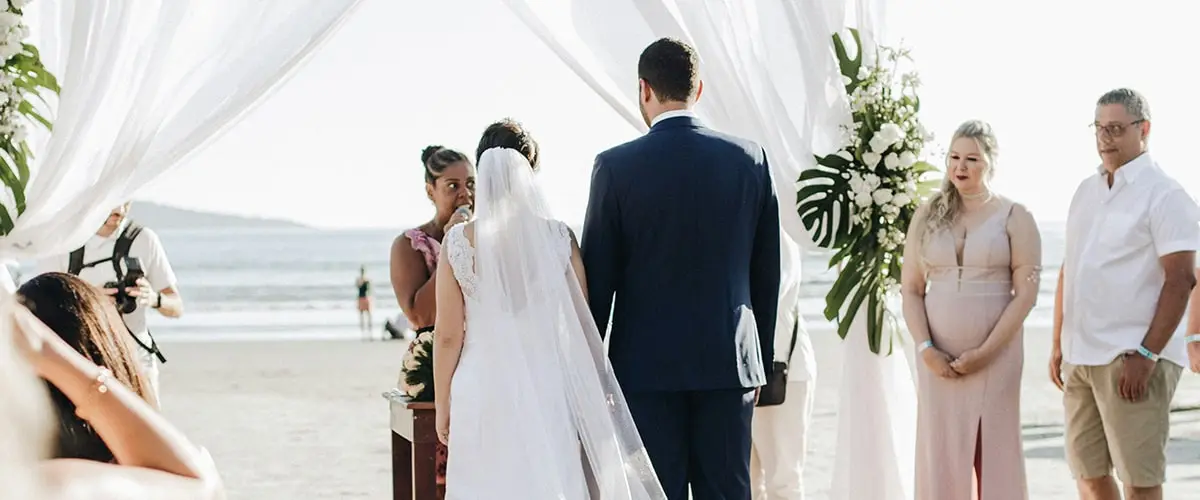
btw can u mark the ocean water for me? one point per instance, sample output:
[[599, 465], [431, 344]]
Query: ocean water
[[300, 283]]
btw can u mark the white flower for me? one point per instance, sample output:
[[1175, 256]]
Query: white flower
[[907, 159], [901, 200], [878, 143], [891, 161], [925, 135], [891, 133], [415, 390], [425, 336], [871, 158], [872, 180], [8, 50], [862, 199], [19, 134], [863, 73], [882, 196], [410, 363], [8, 20]]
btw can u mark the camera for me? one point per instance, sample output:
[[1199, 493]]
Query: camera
[[133, 272]]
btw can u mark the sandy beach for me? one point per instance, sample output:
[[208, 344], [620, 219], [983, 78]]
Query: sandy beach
[[305, 420]]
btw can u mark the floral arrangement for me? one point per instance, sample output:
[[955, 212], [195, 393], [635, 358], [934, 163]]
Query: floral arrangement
[[860, 199], [22, 76], [416, 369]]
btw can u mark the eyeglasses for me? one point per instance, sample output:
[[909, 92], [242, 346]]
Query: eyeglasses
[[1113, 129]]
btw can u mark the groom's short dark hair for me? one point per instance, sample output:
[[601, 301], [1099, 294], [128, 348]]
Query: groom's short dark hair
[[671, 68]]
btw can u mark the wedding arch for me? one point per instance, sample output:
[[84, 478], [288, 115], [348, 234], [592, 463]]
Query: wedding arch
[[146, 83]]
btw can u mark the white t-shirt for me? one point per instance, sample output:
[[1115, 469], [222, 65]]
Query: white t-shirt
[[146, 247]]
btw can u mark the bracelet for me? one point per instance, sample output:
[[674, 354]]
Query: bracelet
[[100, 386], [1195, 337], [1145, 353], [924, 345]]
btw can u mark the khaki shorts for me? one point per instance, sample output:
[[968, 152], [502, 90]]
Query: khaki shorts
[[1104, 431]]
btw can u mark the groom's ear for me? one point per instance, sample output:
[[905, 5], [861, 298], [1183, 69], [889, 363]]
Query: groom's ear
[[645, 93], [699, 89]]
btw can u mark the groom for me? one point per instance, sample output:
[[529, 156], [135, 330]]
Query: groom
[[683, 226]]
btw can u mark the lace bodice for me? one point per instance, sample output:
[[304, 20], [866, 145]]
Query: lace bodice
[[461, 255]]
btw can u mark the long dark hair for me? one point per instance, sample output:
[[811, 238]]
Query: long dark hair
[[88, 322]]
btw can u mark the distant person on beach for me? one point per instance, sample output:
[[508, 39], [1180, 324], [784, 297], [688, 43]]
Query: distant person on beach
[[971, 271], [129, 263], [1129, 269], [152, 458], [364, 302]]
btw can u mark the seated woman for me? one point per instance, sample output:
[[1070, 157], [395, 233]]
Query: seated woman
[[153, 459], [86, 320]]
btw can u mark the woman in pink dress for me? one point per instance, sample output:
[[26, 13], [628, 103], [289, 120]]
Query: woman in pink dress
[[450, 185], [971, 266]]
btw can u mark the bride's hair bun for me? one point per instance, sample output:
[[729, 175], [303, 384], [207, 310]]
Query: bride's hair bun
[[509, 133]]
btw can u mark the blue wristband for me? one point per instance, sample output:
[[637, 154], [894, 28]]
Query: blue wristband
[[1147, 354], [924, 345], [1195, 337]]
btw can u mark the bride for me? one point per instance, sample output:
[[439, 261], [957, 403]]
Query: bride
[[526, 400]]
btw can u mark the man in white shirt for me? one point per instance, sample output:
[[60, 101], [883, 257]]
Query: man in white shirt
[[780, 433], [155, 291], [1132, 237]]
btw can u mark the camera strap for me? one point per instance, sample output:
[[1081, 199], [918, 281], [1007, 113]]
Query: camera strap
[[120, 251]]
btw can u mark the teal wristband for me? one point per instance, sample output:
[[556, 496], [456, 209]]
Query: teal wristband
[[1147, 354], [1195, 337], [924, 345]]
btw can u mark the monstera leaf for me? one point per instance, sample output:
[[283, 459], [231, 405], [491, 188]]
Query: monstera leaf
[[824, 203], [849, 66]]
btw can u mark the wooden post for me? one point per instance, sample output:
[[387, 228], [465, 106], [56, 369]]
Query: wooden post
[[414, 449]]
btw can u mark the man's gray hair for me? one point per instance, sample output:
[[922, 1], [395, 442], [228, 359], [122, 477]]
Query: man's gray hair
[[1135, 103]]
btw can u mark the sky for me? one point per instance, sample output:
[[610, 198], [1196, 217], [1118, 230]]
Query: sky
[[338, 146]]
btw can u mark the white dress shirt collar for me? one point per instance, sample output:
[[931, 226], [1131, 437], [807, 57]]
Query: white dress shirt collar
[[672, 114]]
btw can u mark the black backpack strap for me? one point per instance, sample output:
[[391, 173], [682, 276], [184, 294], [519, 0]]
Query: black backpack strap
[[121, 247], [76, 264]]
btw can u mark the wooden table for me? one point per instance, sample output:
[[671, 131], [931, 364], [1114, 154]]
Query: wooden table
[[414, 449]]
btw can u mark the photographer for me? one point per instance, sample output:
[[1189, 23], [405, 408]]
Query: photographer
[[111, 260]]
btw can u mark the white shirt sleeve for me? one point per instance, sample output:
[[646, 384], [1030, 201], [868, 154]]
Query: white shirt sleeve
[[157, 267], [1175, 223]]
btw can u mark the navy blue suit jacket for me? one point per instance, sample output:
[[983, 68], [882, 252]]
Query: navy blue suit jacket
[[682, 227]]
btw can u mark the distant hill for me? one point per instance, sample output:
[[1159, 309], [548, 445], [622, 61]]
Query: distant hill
[[158, 216]]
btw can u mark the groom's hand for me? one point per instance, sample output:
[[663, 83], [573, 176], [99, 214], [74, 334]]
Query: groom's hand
[[757, 392]]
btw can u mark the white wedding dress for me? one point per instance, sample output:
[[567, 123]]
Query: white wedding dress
[[535, 411]]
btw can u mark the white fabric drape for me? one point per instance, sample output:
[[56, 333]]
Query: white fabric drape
[[144, 84], [769, 75]]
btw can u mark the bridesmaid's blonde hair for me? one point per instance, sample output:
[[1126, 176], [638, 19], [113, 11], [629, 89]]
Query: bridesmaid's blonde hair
[[25, 433], [945, 206]]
